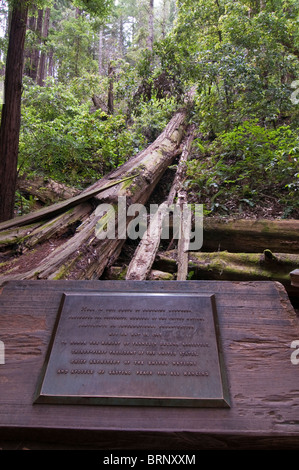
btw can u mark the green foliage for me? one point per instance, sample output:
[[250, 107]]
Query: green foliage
[[95, 7], [152, 116], [24, 205], [126, 83], [62, 139], [71, 45], [246, 165], [243, 57]]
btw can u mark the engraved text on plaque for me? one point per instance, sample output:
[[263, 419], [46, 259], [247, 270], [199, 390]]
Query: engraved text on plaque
[[135, 349]]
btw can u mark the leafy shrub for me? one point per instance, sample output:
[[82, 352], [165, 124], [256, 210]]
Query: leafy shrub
[[245, 166], [62, 139], [153, 116]]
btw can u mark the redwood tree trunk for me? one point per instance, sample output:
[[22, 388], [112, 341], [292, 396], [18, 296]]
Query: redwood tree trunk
[[28, 55], [110, 104], [150, 39], [100, 60], [42, 61], [36, 52], [11, 111]]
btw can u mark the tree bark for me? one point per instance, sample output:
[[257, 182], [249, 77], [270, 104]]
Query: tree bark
[[183, 242], [121, 37], [185, 222], [141, 264], [36, 52], [280, 236], [28, 53], [11, 111], [110, 104], [150, 38], [51, 63], [100, 58], [46, 191], [42, 62]]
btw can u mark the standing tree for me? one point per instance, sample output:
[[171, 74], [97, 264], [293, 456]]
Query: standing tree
[[11, 110], [36, 52], [150, 38], [29, 50], [42, 61]]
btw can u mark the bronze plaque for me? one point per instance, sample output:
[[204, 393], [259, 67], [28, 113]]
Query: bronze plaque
[[135, 349]]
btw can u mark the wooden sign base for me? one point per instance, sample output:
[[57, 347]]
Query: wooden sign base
[[259, 333]]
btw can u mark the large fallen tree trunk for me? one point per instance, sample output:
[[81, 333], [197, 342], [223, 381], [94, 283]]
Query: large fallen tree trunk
[[50, 211], [281, 236], [141, 264], [227, 266], [85, 253]]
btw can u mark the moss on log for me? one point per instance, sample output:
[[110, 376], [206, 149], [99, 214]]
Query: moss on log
[[281, 236], [225, 266]]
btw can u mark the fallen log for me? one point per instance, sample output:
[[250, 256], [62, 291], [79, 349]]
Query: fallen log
[[30, 235], [281, 236], [183, 242], [15, 236], [225, 266], [185, 222], [140, 266], [54, 209], [84, 254], [45, 190]]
